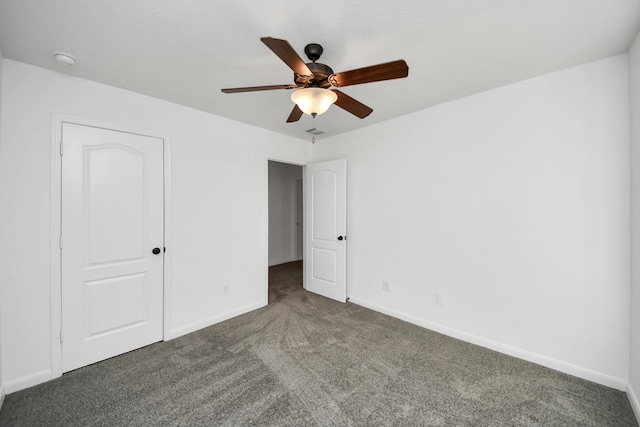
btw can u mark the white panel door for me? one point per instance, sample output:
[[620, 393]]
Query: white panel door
[[325, 254], [112, 220]]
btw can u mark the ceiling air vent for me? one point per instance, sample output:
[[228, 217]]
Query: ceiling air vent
[[315, 131]]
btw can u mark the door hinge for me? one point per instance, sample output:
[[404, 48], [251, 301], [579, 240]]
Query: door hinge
[[60, 242], [61, 336], [61, 148]]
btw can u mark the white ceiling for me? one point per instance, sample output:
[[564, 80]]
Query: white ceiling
[[186, 51]]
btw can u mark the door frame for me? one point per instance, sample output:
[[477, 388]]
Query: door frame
[[299, 234], [57, 120]]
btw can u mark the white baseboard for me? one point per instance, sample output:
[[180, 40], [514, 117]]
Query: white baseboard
[[44, 376], [284, 261], [635, 403], [213, 320], [2, 394], [539, 359], [28, 381]]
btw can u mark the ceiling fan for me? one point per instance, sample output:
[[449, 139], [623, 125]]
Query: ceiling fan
[[313, 80]]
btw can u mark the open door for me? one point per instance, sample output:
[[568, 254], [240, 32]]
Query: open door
[[325, 245]]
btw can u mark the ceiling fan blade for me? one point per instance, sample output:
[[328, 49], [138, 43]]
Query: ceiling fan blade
[[295, 115], [283, 49], [258, 88], [375, 73], [351, 105]]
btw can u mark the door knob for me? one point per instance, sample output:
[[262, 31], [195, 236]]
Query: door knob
[[156, 251], [340, 238]]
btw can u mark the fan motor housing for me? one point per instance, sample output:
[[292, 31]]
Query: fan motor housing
[[321, 73]]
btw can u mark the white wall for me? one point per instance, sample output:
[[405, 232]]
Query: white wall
[[634, 356], [219, 193], [2, 390], [513, 203], [282, 212]]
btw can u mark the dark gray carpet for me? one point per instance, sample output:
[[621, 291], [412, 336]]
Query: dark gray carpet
[[307, 361]]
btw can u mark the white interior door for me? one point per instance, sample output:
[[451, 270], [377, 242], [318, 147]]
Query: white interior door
[[325, 210], [112, 219]]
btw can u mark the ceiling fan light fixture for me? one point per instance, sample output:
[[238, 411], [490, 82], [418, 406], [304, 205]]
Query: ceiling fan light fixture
[[314, 100]]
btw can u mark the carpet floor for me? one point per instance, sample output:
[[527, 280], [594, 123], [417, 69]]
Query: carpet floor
[[305, 360]]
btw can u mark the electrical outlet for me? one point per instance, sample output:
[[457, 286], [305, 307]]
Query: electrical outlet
[[439, 298], [385, 285], [226, 289]]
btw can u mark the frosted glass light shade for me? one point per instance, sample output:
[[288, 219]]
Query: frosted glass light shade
[[314, 100]]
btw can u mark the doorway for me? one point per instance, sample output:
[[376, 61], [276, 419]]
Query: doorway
[[324, 199], [285, 224], [285, 206]]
